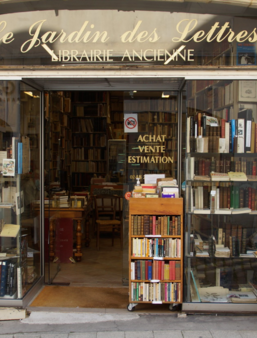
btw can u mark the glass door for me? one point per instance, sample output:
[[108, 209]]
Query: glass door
[[58, 243]]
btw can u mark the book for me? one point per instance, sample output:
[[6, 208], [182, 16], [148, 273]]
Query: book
[[202, 145], [202, 178], [8, 167], [237, 176], [19, 158], [240, 136], [242, 297], [232, 134], [240, 211], [246, 114], [251, 178], [227, 137], [216, 176], [202, 211], [222, 211], [151, 195], [3, 280], [10, 230]]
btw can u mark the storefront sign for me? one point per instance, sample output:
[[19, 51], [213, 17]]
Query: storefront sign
[[110, 36], [152, 152]]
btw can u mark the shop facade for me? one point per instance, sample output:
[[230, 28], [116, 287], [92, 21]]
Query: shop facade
[[204, 63]]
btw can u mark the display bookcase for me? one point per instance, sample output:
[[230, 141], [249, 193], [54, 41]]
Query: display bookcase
[[221, 199], [155, 251], [19, 152]]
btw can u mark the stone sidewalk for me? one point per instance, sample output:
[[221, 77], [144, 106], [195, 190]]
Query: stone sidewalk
[[123, 324], [139, 334]]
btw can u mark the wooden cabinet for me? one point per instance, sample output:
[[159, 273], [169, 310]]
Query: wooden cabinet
[[155, 251]]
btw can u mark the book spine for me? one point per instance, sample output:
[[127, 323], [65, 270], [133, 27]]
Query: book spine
[[232, 134], [20, 149], [3, 283]]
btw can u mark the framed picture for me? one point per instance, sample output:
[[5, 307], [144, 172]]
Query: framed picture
[[247, 91]]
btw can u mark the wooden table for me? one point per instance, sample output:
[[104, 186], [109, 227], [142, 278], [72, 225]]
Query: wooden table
[[76, 214]]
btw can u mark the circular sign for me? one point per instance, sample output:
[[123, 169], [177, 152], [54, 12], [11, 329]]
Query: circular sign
[[128, 195], [131, 122]]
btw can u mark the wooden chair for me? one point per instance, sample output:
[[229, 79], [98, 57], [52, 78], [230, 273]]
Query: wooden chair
[[105, 216]]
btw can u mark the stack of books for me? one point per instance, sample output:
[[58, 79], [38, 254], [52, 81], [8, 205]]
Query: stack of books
[[64, 202]]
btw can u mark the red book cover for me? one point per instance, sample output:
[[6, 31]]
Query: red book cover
[[159, 270], [154, 269], [162, 270], [254, 168], [203, 167]]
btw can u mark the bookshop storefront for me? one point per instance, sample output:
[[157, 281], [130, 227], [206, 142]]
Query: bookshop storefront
[[92, 101]]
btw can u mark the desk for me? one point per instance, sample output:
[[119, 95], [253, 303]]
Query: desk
[[76, 214]]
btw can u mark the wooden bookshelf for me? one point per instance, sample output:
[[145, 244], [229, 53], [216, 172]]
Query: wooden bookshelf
[[159, 208], [58, 137], [90, 112]]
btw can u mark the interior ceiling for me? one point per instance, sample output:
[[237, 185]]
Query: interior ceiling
[[153, 84]]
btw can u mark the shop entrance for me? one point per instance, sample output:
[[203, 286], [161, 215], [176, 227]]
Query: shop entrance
[[100, 142]]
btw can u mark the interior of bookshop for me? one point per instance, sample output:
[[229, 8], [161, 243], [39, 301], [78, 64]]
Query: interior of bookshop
[[146, 197]]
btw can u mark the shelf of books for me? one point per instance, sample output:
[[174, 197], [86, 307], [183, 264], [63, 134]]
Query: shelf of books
[[221, 193], [90, 112], [155, 251], [19, 153]]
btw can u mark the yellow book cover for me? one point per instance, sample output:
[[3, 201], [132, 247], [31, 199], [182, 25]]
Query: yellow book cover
[[237, 176], [10, 230], [149, 190], [166, 271]]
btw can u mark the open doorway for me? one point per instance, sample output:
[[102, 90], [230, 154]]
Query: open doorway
[[90, 150]]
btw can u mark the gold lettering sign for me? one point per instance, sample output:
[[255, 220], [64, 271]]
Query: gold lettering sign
[[148, 149]]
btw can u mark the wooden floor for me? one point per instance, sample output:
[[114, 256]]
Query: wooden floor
[[82, 297], [95, 282]]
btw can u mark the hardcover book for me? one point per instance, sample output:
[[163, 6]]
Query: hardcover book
[[237, 176]]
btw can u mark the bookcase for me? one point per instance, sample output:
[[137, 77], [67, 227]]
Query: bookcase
[[19, 171], [117, 160], [58, 137], [220, 196], [155, 251], [116, 114], [90, 111]]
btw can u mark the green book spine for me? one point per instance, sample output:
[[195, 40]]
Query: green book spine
[[236, 197], [232, 199], [168, 225]]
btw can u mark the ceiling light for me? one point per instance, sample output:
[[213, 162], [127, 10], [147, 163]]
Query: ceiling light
[[165, 95]]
